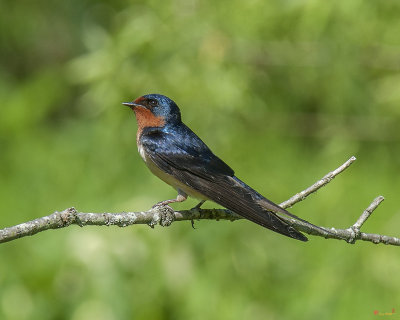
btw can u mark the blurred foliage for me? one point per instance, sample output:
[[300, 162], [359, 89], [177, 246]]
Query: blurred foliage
[[284, 91]]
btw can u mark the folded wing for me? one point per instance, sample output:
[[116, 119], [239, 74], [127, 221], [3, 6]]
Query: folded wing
[[193, 163]]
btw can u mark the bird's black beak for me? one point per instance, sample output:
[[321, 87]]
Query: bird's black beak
[[131, 104]]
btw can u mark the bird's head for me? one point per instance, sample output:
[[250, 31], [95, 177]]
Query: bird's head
[[155, 110]]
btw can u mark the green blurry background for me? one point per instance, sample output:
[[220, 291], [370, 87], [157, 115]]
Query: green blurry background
[[284, 91]]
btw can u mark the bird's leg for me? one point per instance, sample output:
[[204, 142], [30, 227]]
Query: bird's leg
[[199, 205], [182, 196]]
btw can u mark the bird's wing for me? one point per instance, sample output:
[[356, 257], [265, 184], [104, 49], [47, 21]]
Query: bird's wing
[[193, 163]]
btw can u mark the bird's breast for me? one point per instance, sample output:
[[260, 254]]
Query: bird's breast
[[168, 178]]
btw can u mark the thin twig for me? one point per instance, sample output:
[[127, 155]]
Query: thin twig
[[367, 212], [165, 216], [319, 184]]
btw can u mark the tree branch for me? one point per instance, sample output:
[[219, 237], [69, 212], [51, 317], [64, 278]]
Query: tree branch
[[166, 215]]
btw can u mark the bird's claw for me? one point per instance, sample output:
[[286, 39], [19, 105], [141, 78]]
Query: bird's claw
[[163, 215]]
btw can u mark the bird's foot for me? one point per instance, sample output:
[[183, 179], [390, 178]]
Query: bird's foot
[[163, 215]]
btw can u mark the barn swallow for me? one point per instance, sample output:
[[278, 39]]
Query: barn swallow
[[176, 155]]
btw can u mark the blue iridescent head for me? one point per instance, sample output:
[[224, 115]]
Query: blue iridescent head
[[159, 105]]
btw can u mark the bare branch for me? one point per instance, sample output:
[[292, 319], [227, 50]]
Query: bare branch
[[319, 184], [166, 215]]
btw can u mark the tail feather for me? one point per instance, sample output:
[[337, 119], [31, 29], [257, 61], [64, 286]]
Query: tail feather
[[236, 196]]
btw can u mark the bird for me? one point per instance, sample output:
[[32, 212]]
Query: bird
[[176, 155]]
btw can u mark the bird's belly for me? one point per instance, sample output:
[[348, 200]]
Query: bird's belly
[[169, 179]]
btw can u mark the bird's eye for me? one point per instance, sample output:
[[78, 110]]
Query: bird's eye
[[153, 102]]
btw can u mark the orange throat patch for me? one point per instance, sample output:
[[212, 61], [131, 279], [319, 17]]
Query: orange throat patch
[[145, 118]]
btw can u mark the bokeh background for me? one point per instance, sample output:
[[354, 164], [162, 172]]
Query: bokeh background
[[283, 91]]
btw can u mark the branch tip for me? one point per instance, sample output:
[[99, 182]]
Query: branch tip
[[367, 213], [317, 185]]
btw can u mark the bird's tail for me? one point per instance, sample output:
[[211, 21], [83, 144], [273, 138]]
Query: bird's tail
[[280, 213], [235, 195]]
